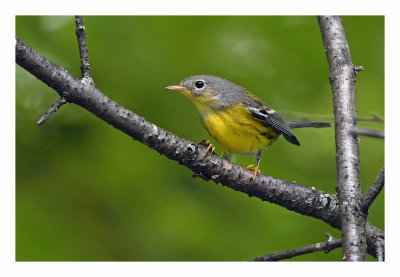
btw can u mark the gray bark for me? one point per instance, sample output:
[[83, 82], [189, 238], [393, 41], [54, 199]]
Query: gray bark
[[342, 79]]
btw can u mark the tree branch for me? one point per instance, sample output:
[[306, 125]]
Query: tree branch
[[85, 67], [317, 117], [83, 51], [374, 118], [326, 246], [342, 79], [293, 196], [373, 191], [51, 110], [367, 132], [380, 250], [366, 202]]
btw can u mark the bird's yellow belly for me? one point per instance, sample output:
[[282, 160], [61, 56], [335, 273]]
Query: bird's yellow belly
[[236, 130]]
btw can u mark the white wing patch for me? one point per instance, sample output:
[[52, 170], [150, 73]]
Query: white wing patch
[[273, 119]]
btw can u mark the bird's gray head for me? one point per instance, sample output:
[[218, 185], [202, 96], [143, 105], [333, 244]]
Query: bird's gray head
[[209, 90]]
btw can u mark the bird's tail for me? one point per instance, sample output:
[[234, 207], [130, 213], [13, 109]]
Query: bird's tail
[[300, 124]]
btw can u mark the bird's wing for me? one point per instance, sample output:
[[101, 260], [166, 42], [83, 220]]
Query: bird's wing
[[271, 118]]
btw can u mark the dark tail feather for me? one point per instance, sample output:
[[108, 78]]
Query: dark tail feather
[[299, 124]]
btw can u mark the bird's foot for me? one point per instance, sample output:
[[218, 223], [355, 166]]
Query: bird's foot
[[256, 171], [210, 148]]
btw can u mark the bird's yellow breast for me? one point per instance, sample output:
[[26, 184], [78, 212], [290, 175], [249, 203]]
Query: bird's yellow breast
[[236, 130]]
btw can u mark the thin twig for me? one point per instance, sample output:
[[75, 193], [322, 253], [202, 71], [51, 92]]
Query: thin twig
[[293, 196], [305, 116], [367, 132], [61, 101], [83, 50], [375, 118], [326, 246], [373, 191], [85, 67], [317, 117], [342, 78]]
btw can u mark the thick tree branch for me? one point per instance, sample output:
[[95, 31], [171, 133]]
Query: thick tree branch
[[326, 246], [342, 79], [293, 196]]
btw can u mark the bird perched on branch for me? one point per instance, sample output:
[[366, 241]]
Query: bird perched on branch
[[238, 120]]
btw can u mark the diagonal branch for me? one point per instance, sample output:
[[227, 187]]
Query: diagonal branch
[[61, 101], [326, 246], [374, 118], [373, 191], [342, 75], [293, 196]]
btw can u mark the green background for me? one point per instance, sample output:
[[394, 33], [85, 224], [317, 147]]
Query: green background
[[86, 191]]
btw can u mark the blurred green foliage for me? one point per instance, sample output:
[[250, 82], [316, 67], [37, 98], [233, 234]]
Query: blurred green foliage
[[86, 191]]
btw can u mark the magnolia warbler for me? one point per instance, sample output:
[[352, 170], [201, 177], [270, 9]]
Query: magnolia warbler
[[239, 121]]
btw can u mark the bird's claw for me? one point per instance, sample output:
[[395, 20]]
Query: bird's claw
[[210, 148], [256, 171]]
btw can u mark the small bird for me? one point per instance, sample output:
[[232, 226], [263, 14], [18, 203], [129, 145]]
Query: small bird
[[238, 120]]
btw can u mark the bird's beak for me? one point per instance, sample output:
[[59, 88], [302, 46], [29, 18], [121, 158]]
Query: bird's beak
[[177, 88]]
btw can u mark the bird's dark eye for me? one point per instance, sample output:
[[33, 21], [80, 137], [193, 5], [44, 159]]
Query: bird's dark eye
[[199, 84]]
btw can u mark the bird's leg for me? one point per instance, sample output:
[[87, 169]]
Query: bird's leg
[[254, 168], [210, 147]]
